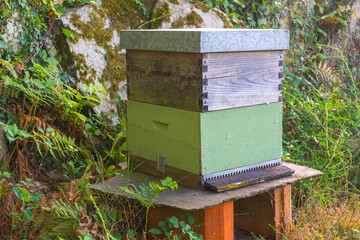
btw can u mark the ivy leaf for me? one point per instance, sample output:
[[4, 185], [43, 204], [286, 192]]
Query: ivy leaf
[[163, 226], [2, 44], [68, 34], [182, 223], [60, 9], [18, 193], [174, 221], [154, 231], [52, 61]]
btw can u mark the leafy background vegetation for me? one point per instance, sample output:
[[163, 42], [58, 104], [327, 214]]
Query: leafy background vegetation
[[51, 128]]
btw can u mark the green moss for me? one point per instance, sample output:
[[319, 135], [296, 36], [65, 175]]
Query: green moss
[[199, 5], [194, 19], [94, 28], [178, 23], [123, 14], [223, 17], [86, 73], [161, 15], [115, 71], [176, 2]]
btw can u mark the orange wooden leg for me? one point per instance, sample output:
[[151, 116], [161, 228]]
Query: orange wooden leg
[[216, 223], [282, 197], [261, 213], [219, 222]]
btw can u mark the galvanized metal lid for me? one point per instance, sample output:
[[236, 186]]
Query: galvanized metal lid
[[205, 40]]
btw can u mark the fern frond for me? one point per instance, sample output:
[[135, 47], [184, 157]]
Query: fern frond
[[55, 141]]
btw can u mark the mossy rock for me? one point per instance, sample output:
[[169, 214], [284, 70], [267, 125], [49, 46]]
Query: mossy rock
[[184, 14], [94, 56]]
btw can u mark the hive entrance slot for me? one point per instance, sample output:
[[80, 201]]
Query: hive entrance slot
[[160, 125]]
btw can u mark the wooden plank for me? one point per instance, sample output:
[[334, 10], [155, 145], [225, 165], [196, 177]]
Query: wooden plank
[[233, 92], [248, 178], [204, 82], [219, 222], [278, 211], [182, 177], [165, 78], [242, 79], [287, 213], [253, 65]]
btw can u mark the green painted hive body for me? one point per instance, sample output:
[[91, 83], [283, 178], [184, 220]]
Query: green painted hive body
[[205, 109], [204, 143]]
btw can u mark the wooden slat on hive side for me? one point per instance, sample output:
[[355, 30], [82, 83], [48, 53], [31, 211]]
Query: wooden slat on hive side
[[241, 79], [172, 79], [228, 64]]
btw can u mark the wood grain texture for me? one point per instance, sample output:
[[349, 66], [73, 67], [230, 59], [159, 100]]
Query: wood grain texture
[[219, 222], [204, 82], [282, 203], [255, 64], [278, 205], [242, 79], [165, 78], [182, 177], [248, 178]]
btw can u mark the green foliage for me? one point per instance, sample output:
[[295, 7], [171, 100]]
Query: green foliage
[[50, 124], [175, 229], [25, 220], [322, 125], [147, 195], [244, 13]]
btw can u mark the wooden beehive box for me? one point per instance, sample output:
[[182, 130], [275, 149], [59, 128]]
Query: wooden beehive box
[[204, 103]]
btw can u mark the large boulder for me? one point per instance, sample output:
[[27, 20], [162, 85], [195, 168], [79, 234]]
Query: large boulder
[[183, 14], [10, 34], [90, 52]]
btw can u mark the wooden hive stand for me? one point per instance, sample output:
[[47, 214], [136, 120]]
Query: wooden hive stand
[[263, 209]]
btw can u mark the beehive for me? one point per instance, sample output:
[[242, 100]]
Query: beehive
[[204, 103]]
